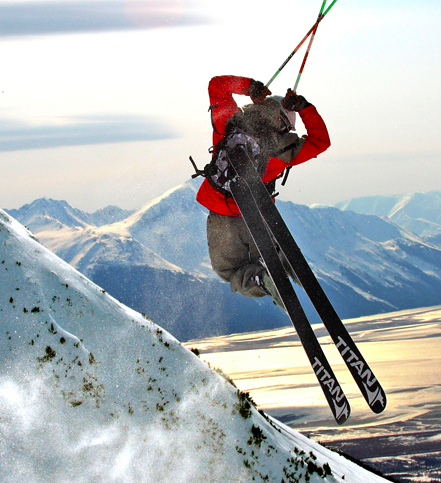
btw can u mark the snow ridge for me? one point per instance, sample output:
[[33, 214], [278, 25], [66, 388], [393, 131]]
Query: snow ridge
[[91, 390]]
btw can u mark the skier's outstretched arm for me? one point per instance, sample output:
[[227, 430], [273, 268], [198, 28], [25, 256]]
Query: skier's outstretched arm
[[222, 104]]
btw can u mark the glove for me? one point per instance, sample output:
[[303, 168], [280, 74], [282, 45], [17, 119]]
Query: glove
[[258, 91], [294, 102]]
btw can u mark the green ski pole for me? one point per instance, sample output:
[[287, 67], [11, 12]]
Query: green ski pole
[[319, 18], [304, 59], [311, 30]]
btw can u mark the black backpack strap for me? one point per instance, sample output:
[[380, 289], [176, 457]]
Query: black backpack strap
[[285, 178], [198, 172], [210, 110], [285, 149]]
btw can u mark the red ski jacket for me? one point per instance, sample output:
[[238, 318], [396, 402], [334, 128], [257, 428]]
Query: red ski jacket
[[223, 106]]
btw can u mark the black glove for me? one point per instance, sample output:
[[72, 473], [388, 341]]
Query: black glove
[[294, 102], [258, 91]]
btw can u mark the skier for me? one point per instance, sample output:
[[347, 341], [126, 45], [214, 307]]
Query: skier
[[266, 126]]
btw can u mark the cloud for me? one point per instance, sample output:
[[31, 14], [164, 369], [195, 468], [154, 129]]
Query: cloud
[[77, 131], [50, 17]]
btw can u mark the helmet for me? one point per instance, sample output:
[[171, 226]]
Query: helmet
[[288, 117]]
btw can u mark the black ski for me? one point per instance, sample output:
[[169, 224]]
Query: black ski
[[266, 209], [333, 392]]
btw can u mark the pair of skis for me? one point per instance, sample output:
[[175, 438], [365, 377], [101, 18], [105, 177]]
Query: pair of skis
[[266, 225]]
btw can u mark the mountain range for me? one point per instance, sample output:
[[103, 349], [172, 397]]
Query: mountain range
[[417, 212], [92, 391], [155, 260]]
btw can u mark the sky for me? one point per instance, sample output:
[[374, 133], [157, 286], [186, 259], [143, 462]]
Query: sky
[[102, 102]]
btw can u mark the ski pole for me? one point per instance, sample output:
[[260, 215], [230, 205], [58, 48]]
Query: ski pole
[[291, 55], [311, 30], [319, 18], [304, 59]]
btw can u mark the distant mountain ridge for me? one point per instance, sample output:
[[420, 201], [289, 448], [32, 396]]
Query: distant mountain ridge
[[417, 212], [41, 208], [155, 260], [191, 301]]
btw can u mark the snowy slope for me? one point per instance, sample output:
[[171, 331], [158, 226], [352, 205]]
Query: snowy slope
[[92, 391], [88, 247], [174, 227]]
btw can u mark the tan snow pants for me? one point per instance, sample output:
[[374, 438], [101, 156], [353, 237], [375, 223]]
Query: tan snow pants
[[233, 254]]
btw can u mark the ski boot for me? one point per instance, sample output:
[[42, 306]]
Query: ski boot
[[265, 282]]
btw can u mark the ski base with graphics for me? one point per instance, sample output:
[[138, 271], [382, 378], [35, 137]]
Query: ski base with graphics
[[331, 388], [266, 226]]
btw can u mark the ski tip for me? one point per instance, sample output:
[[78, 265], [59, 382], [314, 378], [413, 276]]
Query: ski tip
[[341, 421], [375, 397], [380, 402], [341, 411]]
